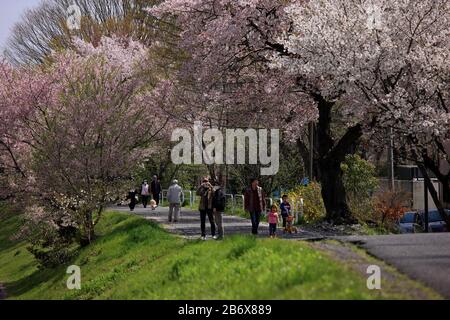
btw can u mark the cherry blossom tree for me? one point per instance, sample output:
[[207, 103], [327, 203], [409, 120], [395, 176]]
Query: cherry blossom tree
[[385, 60], [228, 40], [18, 88], [364, 64], [88, 121]]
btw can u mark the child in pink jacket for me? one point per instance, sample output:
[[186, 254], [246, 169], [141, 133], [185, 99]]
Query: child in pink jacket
[[273, 221]]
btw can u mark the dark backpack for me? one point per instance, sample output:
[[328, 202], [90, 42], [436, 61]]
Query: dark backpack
[[219, 202]]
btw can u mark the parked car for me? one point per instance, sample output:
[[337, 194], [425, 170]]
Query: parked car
[[435, 221], [409, 222]]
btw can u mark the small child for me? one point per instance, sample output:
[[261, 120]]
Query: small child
[[285, 209], [273, 221]]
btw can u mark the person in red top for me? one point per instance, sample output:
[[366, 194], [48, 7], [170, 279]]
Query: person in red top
[[254, 203], [273, 221]]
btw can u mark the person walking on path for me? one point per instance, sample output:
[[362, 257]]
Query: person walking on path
[[175, 198], [145, 193], [156, 189], [254, 203], [219, 204], [285, 209], [273, 221], [206, 193], [132, 195]]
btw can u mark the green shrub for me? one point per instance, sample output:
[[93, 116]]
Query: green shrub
[[313, 206], [360, 183], [358, 177]]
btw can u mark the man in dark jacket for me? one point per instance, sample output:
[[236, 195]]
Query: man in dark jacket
[[206, 193], [155, 188], [254, 203], [219, 204]]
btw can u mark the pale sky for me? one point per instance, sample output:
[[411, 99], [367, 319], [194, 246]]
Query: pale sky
[[10, 13]]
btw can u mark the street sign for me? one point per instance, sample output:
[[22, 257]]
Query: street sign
[[305, 181]]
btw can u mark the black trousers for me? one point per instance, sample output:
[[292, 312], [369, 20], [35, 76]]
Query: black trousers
[[284, 221], [132, 204], [203, 214], [145, 201], [156, 198], [256, 218]]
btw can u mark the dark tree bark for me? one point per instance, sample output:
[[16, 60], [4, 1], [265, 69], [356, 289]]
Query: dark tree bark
[[333, 192], [329, 156]]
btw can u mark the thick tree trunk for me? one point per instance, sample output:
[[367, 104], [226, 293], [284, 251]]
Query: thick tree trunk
[[333, 192], [329, 156]]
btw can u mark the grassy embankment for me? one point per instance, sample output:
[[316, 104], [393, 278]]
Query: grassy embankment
[[136, 259]]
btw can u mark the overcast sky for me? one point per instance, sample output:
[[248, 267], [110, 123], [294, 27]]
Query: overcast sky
[[10, 13]]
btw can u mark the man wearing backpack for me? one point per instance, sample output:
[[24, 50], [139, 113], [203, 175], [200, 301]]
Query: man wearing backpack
[[219, 204]]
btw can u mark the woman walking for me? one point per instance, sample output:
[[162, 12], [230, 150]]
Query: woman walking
[[145, 193]]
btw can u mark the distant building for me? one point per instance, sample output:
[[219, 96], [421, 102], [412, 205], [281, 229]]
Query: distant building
[[445, 167], [409, 179]]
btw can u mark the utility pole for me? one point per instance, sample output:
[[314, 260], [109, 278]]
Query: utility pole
[[225, 186], [391, 160], [426, 218], [311, 151]]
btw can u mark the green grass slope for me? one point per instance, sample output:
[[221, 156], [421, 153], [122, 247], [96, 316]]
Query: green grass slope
[[136, 259]]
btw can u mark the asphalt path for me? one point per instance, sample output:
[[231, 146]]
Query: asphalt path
[[424, 257]]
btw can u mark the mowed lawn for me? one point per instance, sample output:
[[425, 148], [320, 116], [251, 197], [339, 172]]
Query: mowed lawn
[[136, 259]]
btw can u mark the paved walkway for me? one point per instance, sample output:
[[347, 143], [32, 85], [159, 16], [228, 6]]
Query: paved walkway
[[189, 224], [424, 256]]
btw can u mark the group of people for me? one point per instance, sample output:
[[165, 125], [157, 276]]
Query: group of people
[[286, 215], [213, 203], [149, 193]]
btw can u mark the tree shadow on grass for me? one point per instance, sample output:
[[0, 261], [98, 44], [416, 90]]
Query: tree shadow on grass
[[26, 284], [8, 228], [54, 277], [127, 227]]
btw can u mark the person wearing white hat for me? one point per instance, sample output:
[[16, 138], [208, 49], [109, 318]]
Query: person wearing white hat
[[175, 197]]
